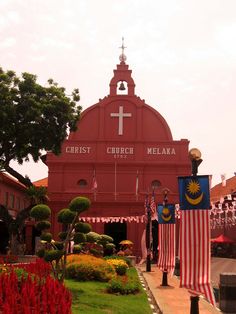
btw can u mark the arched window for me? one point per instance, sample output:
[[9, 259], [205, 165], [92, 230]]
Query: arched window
[[155, 184], [82, 183]]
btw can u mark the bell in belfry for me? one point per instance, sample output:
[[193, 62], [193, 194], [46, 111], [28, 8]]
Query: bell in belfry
[[122, 86]]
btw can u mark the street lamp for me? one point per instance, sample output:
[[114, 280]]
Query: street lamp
[[195, 157], [165, 272], [148, 238]]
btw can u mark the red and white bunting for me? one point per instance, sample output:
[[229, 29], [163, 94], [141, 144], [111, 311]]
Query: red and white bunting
[[136, 219]]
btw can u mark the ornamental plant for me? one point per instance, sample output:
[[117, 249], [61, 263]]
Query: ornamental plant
[[23, 293], [119, 265], [127, 284], [123, 285], [82, 267], [124, 258], [55, 252]]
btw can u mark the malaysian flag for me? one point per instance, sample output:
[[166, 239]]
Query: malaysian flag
[[166, 236], [195, 255], [153, 207], [195, 252], [146, 203], [95, 185], [194, 192], [223, 179]]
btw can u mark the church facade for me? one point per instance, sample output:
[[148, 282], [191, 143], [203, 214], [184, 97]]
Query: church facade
[[122, 151]]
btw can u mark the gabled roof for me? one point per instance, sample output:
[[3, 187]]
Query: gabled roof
[[41, 182], [7, 178], [219, 190]]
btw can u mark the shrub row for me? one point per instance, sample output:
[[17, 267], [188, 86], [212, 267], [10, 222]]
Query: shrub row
[[86, 267]]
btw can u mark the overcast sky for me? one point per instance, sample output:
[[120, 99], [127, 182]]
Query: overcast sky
[[182, 54]]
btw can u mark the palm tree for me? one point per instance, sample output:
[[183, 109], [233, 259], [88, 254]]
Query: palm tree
[[37, 195]]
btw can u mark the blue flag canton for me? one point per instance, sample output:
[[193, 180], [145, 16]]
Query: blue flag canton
[[194, 192], [166, 214]]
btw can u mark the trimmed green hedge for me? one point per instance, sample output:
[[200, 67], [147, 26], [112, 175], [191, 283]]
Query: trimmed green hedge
[[80, 204], [40, 212]]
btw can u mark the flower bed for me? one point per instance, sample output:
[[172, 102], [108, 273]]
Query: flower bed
[[83, 267], [28, 288]]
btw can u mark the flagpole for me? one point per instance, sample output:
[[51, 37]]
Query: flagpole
[[115, 180], [148, 240], [165, 272], [94, 185], [137, 182], [195, 157], [95, 190]]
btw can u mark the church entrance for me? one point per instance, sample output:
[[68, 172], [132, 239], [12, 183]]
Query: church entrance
[[116, 230], [4, 236]]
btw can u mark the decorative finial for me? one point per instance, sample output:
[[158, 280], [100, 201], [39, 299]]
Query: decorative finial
[[122, 56]]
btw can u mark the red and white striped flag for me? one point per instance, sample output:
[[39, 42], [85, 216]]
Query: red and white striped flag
[[166, 255], [94, 184], [153, 207], [195, 273]]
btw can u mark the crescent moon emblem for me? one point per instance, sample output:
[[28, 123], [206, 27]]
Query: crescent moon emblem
[[166, 218], [194, 201]]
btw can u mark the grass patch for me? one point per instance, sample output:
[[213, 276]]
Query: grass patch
[[91, 298]]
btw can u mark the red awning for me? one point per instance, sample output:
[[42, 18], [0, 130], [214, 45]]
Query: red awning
[[222, 239]]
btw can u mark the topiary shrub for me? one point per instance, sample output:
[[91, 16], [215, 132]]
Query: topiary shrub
[[65, 216], [79, 204], [43, 225], [59, 245], [77, 248], [83, 227], [40, 212], [47, 236], [62, 235], [40, 253], [52, 255], [109, 249], [54, 250], [79, 237], [105, 239], [93, 248], [93, 237]]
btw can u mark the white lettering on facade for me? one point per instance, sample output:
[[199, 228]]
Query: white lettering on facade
[[78, 149], [120, 150], [161, 151]]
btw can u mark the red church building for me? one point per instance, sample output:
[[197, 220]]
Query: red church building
[[122, 150]]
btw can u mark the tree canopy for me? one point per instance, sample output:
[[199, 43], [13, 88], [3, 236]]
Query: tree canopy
[[34, 119]]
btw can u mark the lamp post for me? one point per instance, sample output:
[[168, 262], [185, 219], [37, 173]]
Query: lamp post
[[148, 240], [165, 273], [195, 157]]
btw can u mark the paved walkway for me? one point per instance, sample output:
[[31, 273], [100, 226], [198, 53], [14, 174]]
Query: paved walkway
[[172, 299]]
